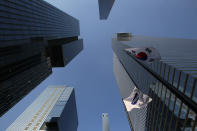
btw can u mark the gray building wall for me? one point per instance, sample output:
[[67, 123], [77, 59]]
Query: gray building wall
[[105, 7]]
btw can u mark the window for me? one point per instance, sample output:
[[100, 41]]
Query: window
[[182, 82], [166, 72], [183, 111], [171, 75], [172, 100], [167, 97], [176, 78], [189, 86], [177, 107], [195, 94], [163, 93], [162, 70]]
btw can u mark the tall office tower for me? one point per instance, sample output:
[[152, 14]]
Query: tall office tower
[[170, 82], [105, 121], [35, 36], [105, 7], [55, 109]]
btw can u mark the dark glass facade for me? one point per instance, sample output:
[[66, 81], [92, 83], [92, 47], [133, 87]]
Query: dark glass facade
[[171, 83], [105, 7], [22, 67], [34, 37]]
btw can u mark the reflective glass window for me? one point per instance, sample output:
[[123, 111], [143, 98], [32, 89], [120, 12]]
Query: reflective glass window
[[162, 69], [172, 100], [195, 94], [166, 72], [159, 89], [153, 85], [189, 86], [182, 117], [156, 88], [171, 75], [167, 96], [183, 111], [191, 121], [153, 66], [163, 93], [182, 81], [177, 106], [158, 67], [176, 78]]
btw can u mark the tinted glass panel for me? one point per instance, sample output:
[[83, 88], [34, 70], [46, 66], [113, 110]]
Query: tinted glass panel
[[176, 78], [177, 107], [182, 81], [189, 86], [195, 94]]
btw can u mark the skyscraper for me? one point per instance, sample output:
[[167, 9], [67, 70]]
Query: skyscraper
[[170, 83], [105, 7], [105, 121], [35, 36], [55, 109]]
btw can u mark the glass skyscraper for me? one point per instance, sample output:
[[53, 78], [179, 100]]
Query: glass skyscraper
[[35, 36], [55, 109], [170, 82], [105, 7]]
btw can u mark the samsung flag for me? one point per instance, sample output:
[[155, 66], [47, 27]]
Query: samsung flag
[[136, 100], [146, 54]]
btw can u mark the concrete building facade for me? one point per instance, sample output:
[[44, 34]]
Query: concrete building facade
[[55, 109]]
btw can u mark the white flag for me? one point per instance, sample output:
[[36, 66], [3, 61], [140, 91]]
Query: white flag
[[136, 100], [146, 54]]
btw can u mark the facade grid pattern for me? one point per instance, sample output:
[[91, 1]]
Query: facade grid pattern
[[167, 111]]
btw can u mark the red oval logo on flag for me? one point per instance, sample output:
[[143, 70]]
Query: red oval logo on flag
[[142, 56]]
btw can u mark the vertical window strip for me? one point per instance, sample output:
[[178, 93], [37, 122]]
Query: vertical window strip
[[152, 103], [147, 124], [159, 105], [195, 124], [176, 125], [168, 73], [156, 64], [169, 101], [155, 104], [171, 118], [185, 83], [156, 109], [174, 70], [163, 106], [182, 117], [160, 68], [180, 74], [166, 117], [184, 124], [164, 70], [193, 88]]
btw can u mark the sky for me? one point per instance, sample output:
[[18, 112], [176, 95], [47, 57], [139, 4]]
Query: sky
[[91, 72]]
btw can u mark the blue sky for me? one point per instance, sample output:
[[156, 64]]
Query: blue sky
[[91, 72]]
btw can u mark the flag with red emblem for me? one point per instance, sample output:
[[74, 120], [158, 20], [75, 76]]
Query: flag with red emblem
[[146, 54]]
